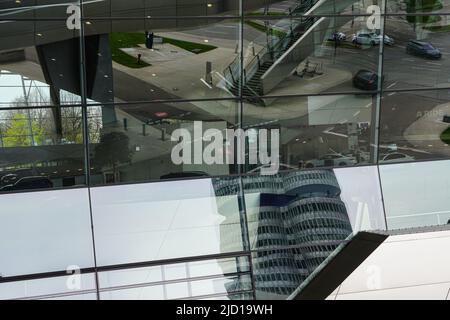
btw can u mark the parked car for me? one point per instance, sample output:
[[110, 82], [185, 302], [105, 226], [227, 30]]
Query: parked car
[[396, 157], [338, 36], [29, 183], [10, 178], [387, 39], [371, 38], [365, 80], [184, 174], [332, 160], [423, 49]]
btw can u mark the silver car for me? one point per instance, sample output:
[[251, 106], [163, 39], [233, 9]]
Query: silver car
[[331, 160], [371, 38]]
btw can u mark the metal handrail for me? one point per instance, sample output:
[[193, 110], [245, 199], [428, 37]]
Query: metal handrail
[[273, 51]]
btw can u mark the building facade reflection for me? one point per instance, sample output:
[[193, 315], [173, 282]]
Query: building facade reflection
[[295, 220]]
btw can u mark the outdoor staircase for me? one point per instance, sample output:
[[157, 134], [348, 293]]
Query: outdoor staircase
[[251, 84]]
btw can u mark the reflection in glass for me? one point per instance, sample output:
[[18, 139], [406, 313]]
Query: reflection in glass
[[177, 281], [317, 131], [39, 63], [296, 219], [308, 55], [416, 194], [43, 148], [138, 144], [421, 49], [141, 60], [154, 221], [196, 289], [414, 126], [361, 193], [50, 288]]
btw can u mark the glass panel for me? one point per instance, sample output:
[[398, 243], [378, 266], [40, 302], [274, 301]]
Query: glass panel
[[414, 126], [164, 8], [361, 194], [278, 272], [297, 218], [428, 182], [421, 7], [130, 277], [211, 267], [145, 222], [67, 287], [314, 131], [314, 7], [240, 296], [42, 148], [175, 281], [151, 59], [144, 293], [292, 56], [142, 142], [39, 64], [182, 290], [88, 296], [44, 232], [421, 48], [224, 285], [35, 9], [176, 275]]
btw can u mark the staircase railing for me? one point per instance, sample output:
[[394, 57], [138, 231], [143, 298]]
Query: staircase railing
[[275, 47]]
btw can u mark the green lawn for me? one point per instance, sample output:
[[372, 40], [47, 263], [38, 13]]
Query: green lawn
[[120, 40], [428, 6], [260, 27], [445, 136], [438, 28]]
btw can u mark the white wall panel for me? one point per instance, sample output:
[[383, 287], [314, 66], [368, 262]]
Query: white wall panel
[[437, 291], [153, 221], [404, 261], [64, 287], [45, 231]]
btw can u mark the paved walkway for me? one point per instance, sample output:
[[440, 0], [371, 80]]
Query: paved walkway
[[425, 133], [161, 53]]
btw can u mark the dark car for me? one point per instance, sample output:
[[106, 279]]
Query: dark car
[[29, 183], [9, 179], [365, 80], [184, 174], [423, 49]]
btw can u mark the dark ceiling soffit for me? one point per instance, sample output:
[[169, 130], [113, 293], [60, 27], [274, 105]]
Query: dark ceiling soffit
[[338, 266]]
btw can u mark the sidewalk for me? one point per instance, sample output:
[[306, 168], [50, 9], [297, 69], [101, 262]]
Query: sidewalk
[[182, 77], [425, 132], [160, 53]]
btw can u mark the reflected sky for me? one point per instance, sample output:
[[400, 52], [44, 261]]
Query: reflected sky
[[416, 194]]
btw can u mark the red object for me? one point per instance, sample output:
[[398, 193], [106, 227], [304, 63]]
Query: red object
[[161, 114]]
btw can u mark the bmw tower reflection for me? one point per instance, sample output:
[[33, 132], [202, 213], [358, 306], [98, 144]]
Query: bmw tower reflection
[[295, 220]]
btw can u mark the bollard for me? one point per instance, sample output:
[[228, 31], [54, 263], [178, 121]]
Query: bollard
[[208, 76]]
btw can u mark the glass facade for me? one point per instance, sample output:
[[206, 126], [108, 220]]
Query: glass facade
[[94, 95]]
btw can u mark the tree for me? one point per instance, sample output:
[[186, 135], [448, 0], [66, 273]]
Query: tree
[[113, 150], [71, 117], [421, 6], [22, 131]]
